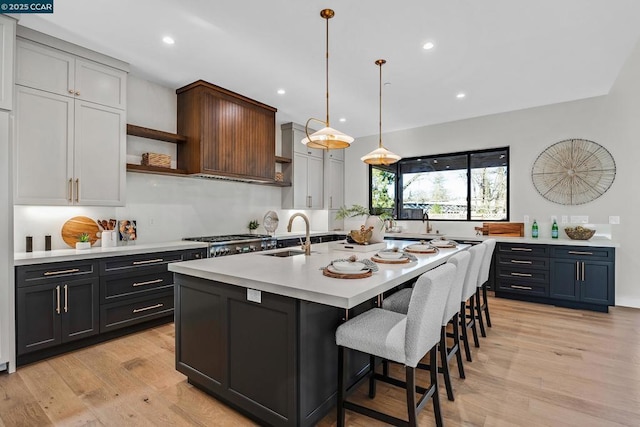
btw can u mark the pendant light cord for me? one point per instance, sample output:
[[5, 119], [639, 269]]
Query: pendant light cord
[[327, 66]]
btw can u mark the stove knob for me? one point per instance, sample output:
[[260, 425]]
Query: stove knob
[[225, 250], [252, 248], [238, 250]]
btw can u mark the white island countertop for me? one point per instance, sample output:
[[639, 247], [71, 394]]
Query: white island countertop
[[301, 277]]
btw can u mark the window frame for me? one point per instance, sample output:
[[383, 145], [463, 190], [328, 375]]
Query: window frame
[[468, 154]]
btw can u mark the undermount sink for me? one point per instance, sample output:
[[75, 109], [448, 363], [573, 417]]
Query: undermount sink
[[286, 253]]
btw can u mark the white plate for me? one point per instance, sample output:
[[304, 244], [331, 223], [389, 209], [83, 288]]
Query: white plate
[[347, 267], [389, 255], [420, 248], [332, 269], [441, 243]]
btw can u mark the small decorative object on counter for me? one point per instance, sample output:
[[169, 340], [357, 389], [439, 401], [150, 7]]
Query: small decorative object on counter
[[253, 226], [84, 242], [127, 230], [363, 235], [47, 242], [534, 229], [554, 230], [579, 233], [29, 244]]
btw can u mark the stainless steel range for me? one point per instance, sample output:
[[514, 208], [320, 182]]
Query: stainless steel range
[[236, 243]]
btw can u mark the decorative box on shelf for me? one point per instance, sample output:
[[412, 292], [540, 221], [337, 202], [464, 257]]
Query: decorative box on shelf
[[156, 159]]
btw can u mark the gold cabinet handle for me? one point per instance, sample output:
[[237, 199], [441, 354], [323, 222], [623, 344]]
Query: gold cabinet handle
[[583, 271], [526, 288], [147, 261], [71, 91], [53, 273], [517, 261], [577, 270], [330, 202], [151, 307], [70, 192], [58, 299], [149, 282], [77, 190], [522, 274], [66, 298], [78, 92], [522, 249], [579, 253]]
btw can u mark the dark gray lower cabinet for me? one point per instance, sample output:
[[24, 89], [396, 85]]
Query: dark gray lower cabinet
[[275, 361]]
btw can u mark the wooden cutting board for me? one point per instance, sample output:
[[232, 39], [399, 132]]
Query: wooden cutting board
[[78, 225], [506, 229]]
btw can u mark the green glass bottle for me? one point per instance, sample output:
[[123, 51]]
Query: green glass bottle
[[554, 230], [534, 229]]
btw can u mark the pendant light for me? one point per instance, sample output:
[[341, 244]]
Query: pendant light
[[380, 156], [326, 138]]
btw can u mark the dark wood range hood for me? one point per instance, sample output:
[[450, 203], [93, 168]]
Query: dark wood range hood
[[229, 136]]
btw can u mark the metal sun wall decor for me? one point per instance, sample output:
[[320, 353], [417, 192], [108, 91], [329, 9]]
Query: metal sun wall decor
[[573, 172]]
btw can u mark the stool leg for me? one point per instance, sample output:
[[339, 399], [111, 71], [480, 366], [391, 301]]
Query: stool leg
[[433, 373], [385, 367], [472, 315], [486, 304], [479, 311], [342, 380], [463, 327], [411, 396], [372, 376], [456, 344], [445, 364]]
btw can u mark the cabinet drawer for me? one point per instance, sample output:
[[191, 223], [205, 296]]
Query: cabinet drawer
[[128, 263], [523, 274], [522, 262], [115, 287], [195, 254], [583, 252], [36, 274], [138, 310], [523, 249], [523, 288]]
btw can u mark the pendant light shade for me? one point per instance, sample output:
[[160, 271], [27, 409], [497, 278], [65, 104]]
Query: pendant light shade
[[326, 138], [380, 156]]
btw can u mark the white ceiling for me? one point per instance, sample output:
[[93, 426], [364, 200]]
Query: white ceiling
[[504, 54]]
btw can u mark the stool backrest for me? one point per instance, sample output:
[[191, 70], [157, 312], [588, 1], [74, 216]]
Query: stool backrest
[[471, 280], [424, 318], [490, 245], [461, 261]]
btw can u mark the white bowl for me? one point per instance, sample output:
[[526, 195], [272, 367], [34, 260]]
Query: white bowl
[[389, 255], [437, 243], [347, 266]]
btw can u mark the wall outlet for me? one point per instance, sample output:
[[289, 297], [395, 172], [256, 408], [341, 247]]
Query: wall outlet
[[152, 221], [565, 219], [554, 218], [254, 295], [614, 220], [526, 218], [579, 219]]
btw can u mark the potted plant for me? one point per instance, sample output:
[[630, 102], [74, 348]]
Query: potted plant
[[253, 225], [83, 241]]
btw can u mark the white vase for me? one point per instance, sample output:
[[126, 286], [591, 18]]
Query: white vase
[[377, 235], [83, 245]]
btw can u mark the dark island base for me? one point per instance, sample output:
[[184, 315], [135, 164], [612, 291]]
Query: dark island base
[[275, 361], [554, 301]]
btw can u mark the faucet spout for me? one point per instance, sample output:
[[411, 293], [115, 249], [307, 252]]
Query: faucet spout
[[425, 217], [307, 244]]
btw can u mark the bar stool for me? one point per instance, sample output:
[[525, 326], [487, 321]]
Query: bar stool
[[468, 320], [399, 302], [482, 306], [401, 338]]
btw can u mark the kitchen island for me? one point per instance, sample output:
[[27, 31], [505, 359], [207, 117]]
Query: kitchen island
[[258, 331]]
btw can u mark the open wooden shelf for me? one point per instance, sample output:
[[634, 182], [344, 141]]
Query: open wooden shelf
[[155, 169], [155, 134], [280, 159]]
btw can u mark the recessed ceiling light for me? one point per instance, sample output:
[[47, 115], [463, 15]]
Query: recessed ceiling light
[[168, 40], [342, 119], [461, 95], [428, 46], [281, 91]]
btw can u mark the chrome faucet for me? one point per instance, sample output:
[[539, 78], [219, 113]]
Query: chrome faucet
[[307, 244], [425, 217]]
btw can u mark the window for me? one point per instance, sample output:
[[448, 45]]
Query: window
[[470, 186]]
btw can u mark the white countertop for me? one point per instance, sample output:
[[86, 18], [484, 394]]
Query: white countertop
[[42, 257], [300, 276], [602, 242]]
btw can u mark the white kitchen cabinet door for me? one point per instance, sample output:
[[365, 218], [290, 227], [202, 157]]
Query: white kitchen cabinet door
[[44, 68], [43, 153], [299, 182], [334, 183], [100, 84], [7, 41], [99, 155], [315, 184]]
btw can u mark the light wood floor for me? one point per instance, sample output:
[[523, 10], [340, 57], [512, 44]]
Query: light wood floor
[[539, 366]]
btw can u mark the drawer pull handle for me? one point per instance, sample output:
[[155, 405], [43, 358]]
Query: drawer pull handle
[[522, 249], [522, 274], [579, 253], [526, 288], [516, 261], [148, 282], [53, 273], [66, 298], [148, 261], [58, 299], [151, 307]]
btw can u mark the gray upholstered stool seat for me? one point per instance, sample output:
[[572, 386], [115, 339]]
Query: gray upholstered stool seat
[[483, 277], [468, 319], [401, 338]]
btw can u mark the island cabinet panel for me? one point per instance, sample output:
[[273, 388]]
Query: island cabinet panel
[[274, 360]]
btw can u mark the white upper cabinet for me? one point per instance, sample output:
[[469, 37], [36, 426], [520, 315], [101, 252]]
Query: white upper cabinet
[[70, 129], [7, 42], [305, 172], [55, 71]]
